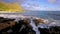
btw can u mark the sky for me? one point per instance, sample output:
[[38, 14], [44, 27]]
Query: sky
[[40, 5]]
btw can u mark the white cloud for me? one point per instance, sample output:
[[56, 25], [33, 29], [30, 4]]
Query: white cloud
[[28, 7], [33, 5], [51, 1]]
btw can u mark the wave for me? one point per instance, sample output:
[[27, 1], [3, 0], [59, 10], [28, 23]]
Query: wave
[[51, 21]]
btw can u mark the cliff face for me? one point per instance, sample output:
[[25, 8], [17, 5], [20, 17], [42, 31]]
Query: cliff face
[[10, 7]]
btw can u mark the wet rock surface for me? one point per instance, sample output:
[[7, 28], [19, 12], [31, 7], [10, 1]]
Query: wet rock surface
[[10, 26]]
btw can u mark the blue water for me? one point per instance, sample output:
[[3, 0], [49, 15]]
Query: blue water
[[44, 14]]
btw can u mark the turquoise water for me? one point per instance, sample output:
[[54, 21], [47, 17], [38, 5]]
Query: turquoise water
[[44, 14]]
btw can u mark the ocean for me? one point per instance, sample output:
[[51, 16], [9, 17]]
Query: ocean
[[52, 16], [44, 14]]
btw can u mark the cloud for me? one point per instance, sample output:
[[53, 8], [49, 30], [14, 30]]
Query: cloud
[[10, 1], [41, 8], [51, 1], [21, 1], [37, 6]]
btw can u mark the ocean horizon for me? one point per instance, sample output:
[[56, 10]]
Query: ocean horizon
[[42, 14]]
